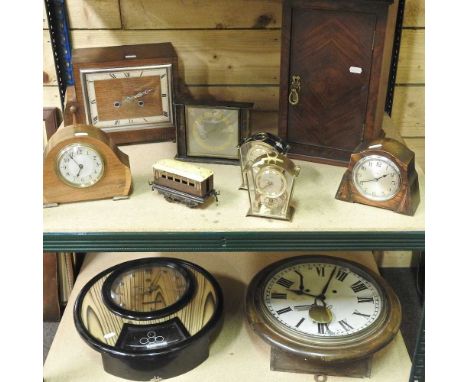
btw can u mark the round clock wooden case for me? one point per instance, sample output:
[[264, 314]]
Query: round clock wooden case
[[150, 318], [322, 309], [81, 163]]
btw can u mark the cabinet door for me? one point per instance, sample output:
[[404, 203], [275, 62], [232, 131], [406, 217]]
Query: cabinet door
[[331, 51]]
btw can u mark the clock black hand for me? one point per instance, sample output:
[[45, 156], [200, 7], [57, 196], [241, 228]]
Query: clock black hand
[[324, 290], [301, 286], [373, 180]]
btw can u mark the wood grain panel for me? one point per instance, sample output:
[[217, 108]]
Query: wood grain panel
[[409, 110], [206, 56], [93, 14], [49, 76], [207, 14], [412, 54], [418, 145], [51, 96], [414, 13], [264, 97]]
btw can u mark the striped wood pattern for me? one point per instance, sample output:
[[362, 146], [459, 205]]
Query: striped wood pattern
[[100, 321]]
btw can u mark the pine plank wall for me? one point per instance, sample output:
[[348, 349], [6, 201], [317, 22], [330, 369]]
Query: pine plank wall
[[230, 50]]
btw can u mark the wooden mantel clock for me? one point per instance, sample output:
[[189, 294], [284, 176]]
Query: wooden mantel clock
[[127, 90], [382, 174], [81, 163]]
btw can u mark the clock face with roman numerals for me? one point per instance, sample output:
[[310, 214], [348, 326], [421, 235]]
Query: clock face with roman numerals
[[325, 299], [323, 308], [119, 99]]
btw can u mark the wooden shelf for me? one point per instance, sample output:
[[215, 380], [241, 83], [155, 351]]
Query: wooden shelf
[[235, 355]]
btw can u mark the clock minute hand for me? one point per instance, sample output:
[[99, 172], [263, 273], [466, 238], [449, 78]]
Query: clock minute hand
[[324, 290], [299, 292], [374, 180]]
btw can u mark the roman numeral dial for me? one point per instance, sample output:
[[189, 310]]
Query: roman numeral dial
[[322, 299]]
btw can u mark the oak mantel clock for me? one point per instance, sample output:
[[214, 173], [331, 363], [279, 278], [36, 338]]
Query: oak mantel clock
[[81, 163], [382, 174], [335, 66], [127, 91]]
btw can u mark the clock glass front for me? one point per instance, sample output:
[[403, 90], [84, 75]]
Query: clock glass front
[[120, 99]]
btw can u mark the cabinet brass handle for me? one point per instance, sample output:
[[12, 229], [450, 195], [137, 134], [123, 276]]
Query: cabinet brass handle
[[295, 89]]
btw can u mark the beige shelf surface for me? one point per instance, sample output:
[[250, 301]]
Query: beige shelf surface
[[316, 208], [236, 354]]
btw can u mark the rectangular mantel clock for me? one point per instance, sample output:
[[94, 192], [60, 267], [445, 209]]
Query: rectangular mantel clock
[[127, 91], [334, 73]]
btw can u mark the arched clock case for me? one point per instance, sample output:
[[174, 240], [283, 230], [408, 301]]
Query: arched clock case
[[150, 318]]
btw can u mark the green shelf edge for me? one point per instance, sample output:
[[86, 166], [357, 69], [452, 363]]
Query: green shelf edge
[[231, 241]]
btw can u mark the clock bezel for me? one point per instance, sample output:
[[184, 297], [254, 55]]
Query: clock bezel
[[382, 158], [150, 315], [138, 126], [324, 349], [65, 149]]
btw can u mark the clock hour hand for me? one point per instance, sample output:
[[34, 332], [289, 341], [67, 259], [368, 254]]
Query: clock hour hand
[[301, 278]]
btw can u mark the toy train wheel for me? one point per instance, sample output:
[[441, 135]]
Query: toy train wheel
[[169, 199]]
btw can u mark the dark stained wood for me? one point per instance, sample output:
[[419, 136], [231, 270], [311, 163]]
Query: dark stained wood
[[114, 58], [50, 291], [337, 108], [406, 201]]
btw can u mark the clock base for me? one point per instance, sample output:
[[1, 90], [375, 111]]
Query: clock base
[[287, 362]]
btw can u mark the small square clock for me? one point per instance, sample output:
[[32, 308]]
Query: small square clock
[[211, 131]]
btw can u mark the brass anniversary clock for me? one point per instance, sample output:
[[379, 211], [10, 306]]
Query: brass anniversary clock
[[257, 145], [270, 183], [81, 163], [151, 318], [127, 90], [382, 174], [322, 314]]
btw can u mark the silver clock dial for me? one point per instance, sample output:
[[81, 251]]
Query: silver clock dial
[[80, 165], [377, 178], [322, 299], [270, 182]]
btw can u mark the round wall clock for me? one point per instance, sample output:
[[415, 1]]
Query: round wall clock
[[81, 163], [257, 145], [382, 174], [323, 309], [150, 318]]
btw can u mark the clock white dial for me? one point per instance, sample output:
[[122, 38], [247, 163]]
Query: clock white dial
[[322, 299], [377, 178], [80, 165], [270, 182]]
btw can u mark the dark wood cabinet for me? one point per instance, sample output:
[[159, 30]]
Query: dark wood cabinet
[[334, 73]]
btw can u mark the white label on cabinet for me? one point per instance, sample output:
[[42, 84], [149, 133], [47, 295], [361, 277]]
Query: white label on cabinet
[[355, 69]]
